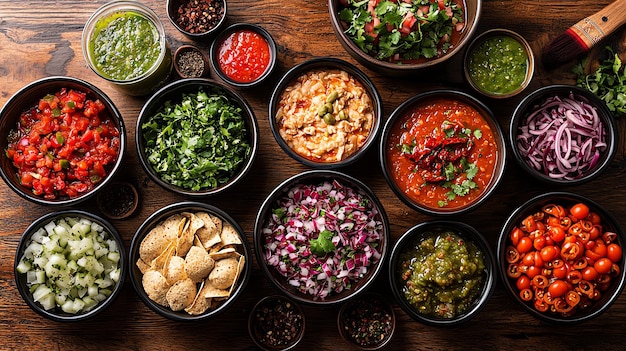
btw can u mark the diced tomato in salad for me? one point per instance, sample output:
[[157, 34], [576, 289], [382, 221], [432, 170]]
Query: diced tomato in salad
[[63, 146]]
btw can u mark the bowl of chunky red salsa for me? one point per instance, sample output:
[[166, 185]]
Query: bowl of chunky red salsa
[[442, 152], [62, 140]]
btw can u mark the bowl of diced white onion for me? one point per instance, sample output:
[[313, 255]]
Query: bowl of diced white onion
[[70, 265]]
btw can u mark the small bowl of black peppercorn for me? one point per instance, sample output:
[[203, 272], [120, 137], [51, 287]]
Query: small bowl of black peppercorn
[[276, 323], [197, 19], [191, 62], [367, 322], [118, 200]]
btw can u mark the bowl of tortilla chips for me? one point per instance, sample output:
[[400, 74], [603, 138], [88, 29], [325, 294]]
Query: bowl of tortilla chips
[[189, 261]]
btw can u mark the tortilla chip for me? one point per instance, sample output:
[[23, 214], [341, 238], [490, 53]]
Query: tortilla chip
[[181, 295], [209, 233], [200, 304], [224, 273], [212, 292], [225, 253], [240, 266], [142, 265], [198, 264], [156, 287], [230, 236], [217, 221], [157, 240], [160, 262], [175, 270]]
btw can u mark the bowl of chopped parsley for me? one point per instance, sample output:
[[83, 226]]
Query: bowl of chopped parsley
[[196, 137], [400, 38]]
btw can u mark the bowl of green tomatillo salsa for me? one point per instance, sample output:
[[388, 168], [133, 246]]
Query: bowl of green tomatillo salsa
[[196, 137], [442, 273]]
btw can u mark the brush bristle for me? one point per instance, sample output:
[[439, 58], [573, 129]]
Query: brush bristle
[[563, 48]]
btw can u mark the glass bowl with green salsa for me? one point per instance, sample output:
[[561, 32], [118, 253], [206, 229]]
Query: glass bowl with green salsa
[[442, 273], [124, 43], [499, 63]]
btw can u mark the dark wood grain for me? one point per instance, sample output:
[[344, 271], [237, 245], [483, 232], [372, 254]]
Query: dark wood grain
[[42, 38]]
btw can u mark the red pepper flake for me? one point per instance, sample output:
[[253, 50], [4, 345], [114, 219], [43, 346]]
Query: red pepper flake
[[199, 16]]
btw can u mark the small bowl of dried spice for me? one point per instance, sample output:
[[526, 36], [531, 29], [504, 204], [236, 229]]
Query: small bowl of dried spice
[[367, 322], [118, 200], [191, 62], [197, 19], [276, 323]]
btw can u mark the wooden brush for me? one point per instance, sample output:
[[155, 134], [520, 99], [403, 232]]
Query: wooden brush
[[582, 36]]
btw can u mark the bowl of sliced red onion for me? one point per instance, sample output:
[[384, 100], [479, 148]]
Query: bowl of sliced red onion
[[563, 134], [321, 237]]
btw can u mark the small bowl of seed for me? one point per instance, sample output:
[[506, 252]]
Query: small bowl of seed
[[197, 19], [191, 62], [276, 323], [367, 322]]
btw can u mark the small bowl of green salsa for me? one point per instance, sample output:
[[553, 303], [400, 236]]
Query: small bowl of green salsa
[[499, 63], [124, 43], [442, 273]]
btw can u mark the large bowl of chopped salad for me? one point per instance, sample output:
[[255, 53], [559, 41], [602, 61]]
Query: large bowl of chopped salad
[[400, 38], [321, 237], [196, 137]]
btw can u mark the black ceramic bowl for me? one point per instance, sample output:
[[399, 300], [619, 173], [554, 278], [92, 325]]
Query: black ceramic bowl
[[510, 273], [154, 220], [28, 286], [276, 323], [398, 164], [338, 191], [310, 146], [28, 97], [487, 276], [231, 42], [471, 16], [173, 93], [574, 175], [367, 322], [202, 27]]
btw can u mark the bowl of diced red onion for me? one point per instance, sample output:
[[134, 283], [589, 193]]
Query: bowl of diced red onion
[[563, 135], [321, 237]]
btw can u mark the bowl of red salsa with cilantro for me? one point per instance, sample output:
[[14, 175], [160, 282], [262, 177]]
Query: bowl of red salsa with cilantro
[[243, 55], [62, 139], [442, 152]]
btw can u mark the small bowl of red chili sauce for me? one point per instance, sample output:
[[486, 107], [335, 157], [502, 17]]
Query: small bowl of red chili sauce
[[62, 141], [561, 257], [243, 55], [443, 152], [197, 19]]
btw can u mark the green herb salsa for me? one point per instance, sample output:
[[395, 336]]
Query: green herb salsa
[[124, 46], [498, 65], [443, 274]]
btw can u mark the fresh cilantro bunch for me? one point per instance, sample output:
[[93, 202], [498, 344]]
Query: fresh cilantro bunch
[[197, 143], [607, 82], [411, 30]]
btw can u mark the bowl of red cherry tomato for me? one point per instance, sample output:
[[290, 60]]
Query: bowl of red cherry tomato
[[561, 256], [62, 140]]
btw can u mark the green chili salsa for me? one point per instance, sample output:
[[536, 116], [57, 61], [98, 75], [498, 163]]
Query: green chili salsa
[[443, 274], [124, 45], [498, 65]]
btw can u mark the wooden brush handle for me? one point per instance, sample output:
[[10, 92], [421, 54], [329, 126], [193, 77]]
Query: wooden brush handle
[[596, 27]]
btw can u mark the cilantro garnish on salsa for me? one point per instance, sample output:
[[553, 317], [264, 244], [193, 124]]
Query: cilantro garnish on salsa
[[198, 143], [402, 31]]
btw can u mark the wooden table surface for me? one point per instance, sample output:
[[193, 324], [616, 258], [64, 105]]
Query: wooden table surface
[[42, 38]]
